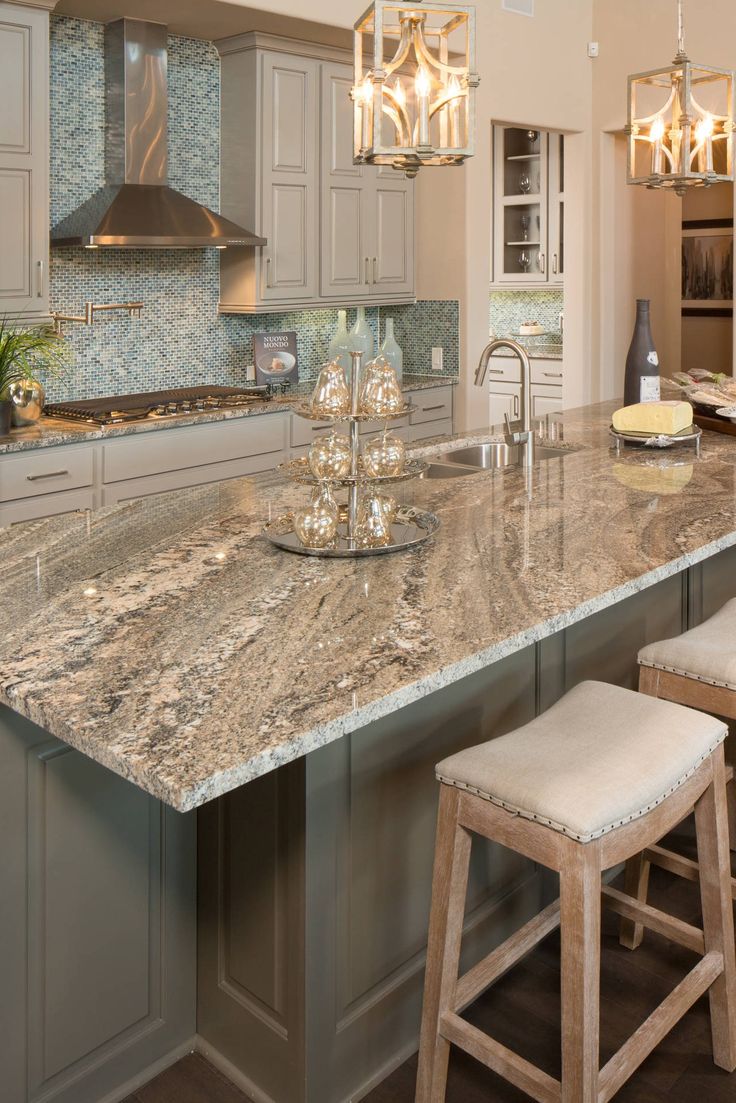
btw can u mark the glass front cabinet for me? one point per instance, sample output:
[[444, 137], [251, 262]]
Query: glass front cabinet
[[528, 207]]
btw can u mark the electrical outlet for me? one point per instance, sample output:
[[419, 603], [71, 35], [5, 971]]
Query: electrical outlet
[[592, 49], [250, 373], [437, 358]]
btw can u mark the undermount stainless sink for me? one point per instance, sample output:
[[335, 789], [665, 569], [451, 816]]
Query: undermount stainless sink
[[484, 457]]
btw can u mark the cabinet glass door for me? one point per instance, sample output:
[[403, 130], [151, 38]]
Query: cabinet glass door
[[556, 207], [520, 181]]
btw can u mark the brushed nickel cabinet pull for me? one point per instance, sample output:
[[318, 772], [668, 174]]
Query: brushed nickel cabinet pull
[[367, 270], [375, 263], [39, 279], [554, 264], [268, 271], [428, 409], [496, 371], [542, 263], [552, 374], [46, 475], [516, 405]]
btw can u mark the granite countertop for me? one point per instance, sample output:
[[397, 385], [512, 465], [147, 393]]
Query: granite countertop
[[55, 431], [536, 351], [168, 640]]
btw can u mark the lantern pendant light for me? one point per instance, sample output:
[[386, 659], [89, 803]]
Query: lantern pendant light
[[415, 82], [681, 123]]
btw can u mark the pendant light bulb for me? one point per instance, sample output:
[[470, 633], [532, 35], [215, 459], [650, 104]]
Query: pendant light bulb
[[656, 134]]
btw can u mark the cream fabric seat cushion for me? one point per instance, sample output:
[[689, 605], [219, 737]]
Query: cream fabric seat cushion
[[600, 757], [707, 652]]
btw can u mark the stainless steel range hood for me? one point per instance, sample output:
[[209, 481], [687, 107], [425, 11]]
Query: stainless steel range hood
[[136, 208]]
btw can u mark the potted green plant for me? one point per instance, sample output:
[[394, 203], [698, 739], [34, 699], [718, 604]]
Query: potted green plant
[[25, 352]]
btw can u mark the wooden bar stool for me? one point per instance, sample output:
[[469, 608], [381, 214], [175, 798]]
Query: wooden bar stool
[[597, 778], [697, 669]]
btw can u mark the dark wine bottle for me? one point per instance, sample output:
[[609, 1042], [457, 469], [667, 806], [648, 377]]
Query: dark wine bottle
[[642, 362]]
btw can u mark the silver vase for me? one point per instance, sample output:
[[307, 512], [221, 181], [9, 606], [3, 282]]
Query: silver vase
[[27, 397]]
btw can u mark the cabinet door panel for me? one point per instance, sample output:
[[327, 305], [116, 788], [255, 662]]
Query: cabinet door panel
[[15, 88], [346, 193], [24, 153], [546, 400], [393, 268], [289, 186], [503, 399], [289, 266], [15, 234], [290, 125]]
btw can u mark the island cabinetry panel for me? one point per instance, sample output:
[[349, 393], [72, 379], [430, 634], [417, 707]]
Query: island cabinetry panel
[[504, 388], [24, 154], [314, 897], [97, 936]]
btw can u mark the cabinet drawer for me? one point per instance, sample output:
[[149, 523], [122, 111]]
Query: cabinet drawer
[[177, 449], [503, 369], [46, 471], [46, 505], [431, 405], [548, 372], [126, 489], [303, 431], [372, 427], [427, 429]]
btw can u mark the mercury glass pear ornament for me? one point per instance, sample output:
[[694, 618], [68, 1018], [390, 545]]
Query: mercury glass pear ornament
[[389, 506], [384, 455], [380, 393], [27, 397], [331, 395], [316, 524], [373, 529], [329, 456]]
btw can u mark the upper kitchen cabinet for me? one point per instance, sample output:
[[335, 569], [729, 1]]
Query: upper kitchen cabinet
[[24, 157], [528, 207], [337, 232], [367, 234]]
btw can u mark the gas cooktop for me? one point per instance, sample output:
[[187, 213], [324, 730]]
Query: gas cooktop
[[176, 402]]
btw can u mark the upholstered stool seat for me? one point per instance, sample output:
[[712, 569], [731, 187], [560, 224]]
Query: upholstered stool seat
[[599, 758], [706, 653], [697, 669], [598, 778]]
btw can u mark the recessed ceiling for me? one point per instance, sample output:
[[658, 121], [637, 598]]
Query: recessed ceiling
[[208, 19]]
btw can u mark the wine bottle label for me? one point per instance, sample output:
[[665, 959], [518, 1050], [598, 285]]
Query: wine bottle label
[[649, 388]]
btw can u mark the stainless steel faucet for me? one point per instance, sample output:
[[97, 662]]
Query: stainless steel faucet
[[524, 435]]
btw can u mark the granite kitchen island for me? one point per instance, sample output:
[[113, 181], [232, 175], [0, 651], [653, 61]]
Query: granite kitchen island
[[300, 705]]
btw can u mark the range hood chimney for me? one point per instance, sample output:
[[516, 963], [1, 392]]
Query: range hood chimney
[[136, 209]]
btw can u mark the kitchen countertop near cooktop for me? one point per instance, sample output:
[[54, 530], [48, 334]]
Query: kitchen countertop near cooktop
[[55, 431], [169, 641]]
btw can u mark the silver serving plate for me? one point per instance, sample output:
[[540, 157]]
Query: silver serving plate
[[690, 435], [299, 469], [411, 527], [303, 409]]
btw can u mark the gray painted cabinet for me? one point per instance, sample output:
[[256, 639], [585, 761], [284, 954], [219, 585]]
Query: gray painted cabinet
[[97, 924], [24, 156], [337, 232], [367, 213]]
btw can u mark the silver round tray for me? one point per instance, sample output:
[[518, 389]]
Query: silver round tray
[[303, 409], [411, 527], [691, 435], [299, 469]]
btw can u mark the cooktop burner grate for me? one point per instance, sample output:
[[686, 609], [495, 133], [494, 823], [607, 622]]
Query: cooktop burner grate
[[170, 403]]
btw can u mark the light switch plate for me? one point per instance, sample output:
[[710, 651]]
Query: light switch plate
[[437, 358], [592, 49]]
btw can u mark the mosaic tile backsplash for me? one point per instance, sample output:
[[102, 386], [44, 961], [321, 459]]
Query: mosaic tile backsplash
[[508, 309], [179, 340]]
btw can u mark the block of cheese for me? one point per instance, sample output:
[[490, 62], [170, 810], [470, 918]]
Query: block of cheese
[[654, 417]]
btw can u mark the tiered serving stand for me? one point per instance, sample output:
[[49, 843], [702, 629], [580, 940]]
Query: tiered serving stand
[[411, 526]]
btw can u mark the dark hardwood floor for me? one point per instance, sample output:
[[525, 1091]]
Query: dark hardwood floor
[[523, 1012]]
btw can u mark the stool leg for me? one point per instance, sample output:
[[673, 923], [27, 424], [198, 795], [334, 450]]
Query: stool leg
[[731, 798], [449, 888], [580, 914], [715, 891], [636, 884]]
